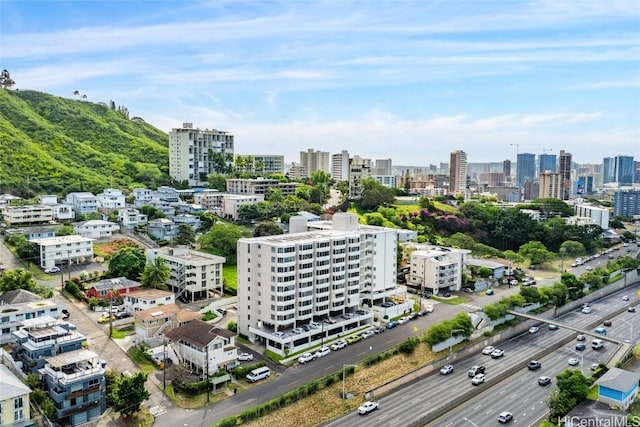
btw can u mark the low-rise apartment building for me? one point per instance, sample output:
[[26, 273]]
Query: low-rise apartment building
[[193, 274], [147, 298], [28, 214], [82, 202], [15, 410], [204, 348], [260, 186], [436, 269], [76, 384], [598, 215], [96, 229], [19, 305], [64, 249]]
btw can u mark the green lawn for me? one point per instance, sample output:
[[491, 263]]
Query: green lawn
[[230, 277], [452, 300], [118, 334], [141, 359]]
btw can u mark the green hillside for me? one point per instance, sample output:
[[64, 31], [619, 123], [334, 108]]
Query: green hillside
[[53, 145]]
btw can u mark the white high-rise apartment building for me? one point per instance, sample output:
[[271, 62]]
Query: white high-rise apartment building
[[340, 166], [458, 172], [315, 279], [194, 154], [314, 161]]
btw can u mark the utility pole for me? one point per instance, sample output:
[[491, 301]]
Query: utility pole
[[111, 313], [207, 367]]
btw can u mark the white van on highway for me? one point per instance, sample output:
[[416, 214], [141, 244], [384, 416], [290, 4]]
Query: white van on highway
[[597, 344]]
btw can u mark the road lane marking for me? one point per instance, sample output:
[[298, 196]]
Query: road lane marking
[[514, 395], [502, 392], [477, 407]]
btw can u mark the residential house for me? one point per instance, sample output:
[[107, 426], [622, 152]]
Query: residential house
[[142, 196], [61, 211], [76, 384], [129, 218], [43, 337], [111, 198], [115, 287], [7, 198], [618, 387], [158, 320], [83, 202], [64, 249], [33, 232], [204, 348], [147, 298], [19, 305], [28, 214], [167, 194], [193, 274], [96, 229], [166, 208], [14, 400], [190, 220], [162, 229]]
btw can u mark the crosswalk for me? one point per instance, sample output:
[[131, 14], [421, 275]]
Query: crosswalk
[[474, 307], [157, 410]]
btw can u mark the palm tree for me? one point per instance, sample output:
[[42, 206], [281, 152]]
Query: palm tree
[[156, 273]]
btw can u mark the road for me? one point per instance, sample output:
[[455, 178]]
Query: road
[[412, 403]]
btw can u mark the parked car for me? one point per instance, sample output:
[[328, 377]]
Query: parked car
[[323, 351], [106, 317], [488, 350], [65, 313], [354, 339], [367, 334], [338, 345], [297, 330], [534, 364], [446, 369], [305, 358], [243, 357], [392, 324], [505, 417], [379, 329], [446, 294], [306, 328], [314, 325], [489, 292], [594, 366], [279, 334], [533, 329], [387, 304], [428, 309], [367, 407], [544, 381], [404, 320], [329, 320], [497, 353], [123, 315], [580, 347], [478, 379], [423, 312], [52, 270]]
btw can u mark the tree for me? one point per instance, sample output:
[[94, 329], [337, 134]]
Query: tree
[[571, 247], [5, 80], [343, 188], [536, 251], [128, 393], [222, 240], [156, 273], [572, 388], [512, 256], [128, 262], [267, 228], [217, 182], [185, 236], [151, 212], [374, 194]]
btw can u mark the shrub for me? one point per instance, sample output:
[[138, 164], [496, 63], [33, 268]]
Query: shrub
[[73, 289], [232, 326], [242, 371]]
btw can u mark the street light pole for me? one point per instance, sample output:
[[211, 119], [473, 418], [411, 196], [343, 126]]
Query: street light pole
[[451, 339], [344, 396]]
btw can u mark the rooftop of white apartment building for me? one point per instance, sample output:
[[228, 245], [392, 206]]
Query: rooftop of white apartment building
[[61, 240]]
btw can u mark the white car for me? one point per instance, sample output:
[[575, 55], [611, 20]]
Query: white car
[[586, 310], [589, 268], [488, 350], [245, 356], [573, 361], [446, 369], [297, 330], [553, 327], [581, 337], [478, 379], [533, 329], [338, 345], [53, 269], [323, 351], [625, 298], [367, 334], [305, 358], [367, 407], [404, 320], [429, 309], [497, 353]]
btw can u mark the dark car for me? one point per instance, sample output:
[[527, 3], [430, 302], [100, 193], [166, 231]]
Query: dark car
[[607, 322], [475, 370], [379, 330], [631, 309], [580, 347], [544, 381], [446, 294], [534, 364], [414, 316], [423, 312], [387, 304], [392, 324], [122, 315], [65, 313]]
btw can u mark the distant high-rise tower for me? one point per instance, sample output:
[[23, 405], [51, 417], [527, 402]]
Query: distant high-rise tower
[[458, 172], [564, 169], [340, 166], [546, 162], [624, 170], [608, 170], [550, 185], [192, 151], [526, 168], [506, 169], [382, 167], [314, 161]]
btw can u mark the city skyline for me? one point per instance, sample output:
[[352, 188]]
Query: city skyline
[[410, 81]]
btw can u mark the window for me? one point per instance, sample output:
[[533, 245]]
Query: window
[[18, 412]]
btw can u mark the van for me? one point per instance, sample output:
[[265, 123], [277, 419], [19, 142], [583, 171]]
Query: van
[[258, 374], [597, 344]]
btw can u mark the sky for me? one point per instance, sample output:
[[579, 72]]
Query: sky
[[406, 80]]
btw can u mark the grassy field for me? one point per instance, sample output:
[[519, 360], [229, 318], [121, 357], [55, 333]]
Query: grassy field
[[142, 360], [230, 276]]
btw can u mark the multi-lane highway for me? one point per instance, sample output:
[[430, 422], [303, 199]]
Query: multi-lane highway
[[518, 393]]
